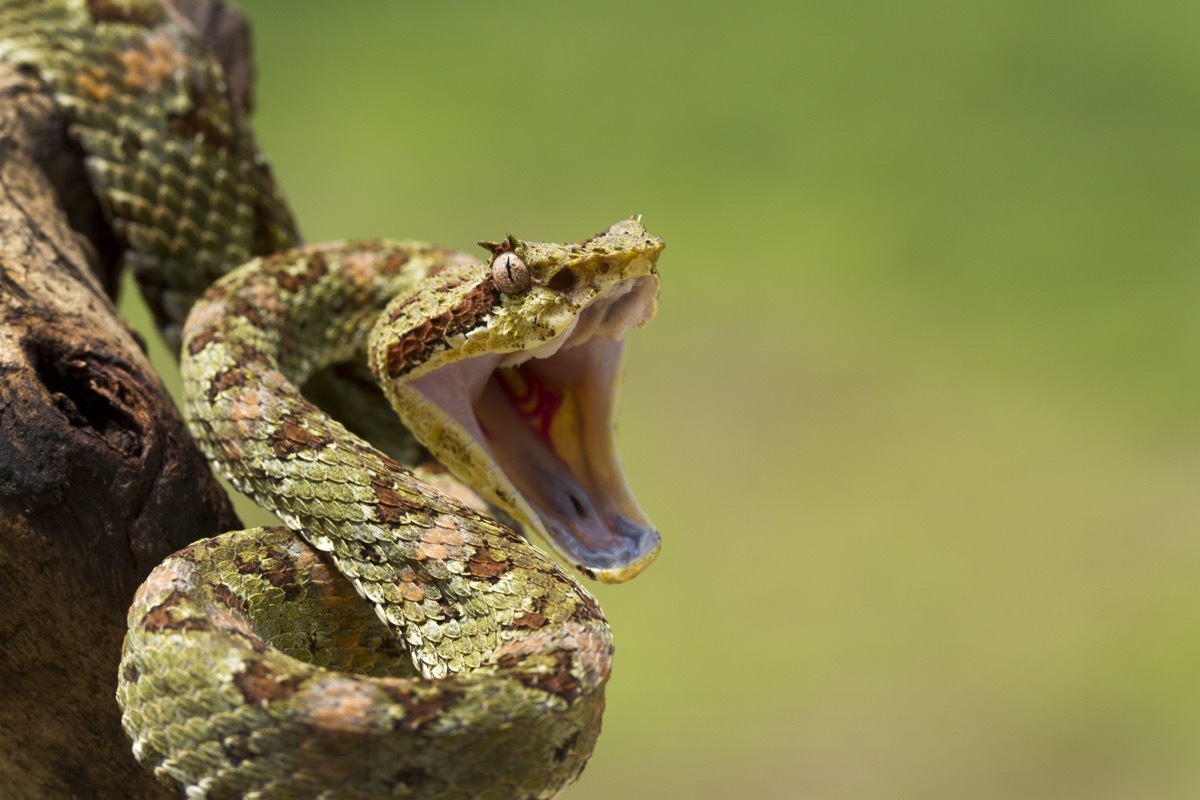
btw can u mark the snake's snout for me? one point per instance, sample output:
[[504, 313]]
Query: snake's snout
[[631, 547]]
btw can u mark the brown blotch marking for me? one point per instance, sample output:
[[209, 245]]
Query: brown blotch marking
[[92, 83], [484, 565], [291, 437], [405, 353], [143, 15], [394, 262], [315, 268], [229, 379], [166, 617], [558, 682], [258, 683], [412, 592], [416, 345], [282, 577], [243, 308], [216, 293], [398, 310], [449, 285], [586, 608], [130, 673], [419, 710], [393, 508], [152, 64], [534, 618], [201, 340], [229, 598], [252, 355], [530, 620]]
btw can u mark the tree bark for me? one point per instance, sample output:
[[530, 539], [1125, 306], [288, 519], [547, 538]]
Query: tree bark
[[99, 479]]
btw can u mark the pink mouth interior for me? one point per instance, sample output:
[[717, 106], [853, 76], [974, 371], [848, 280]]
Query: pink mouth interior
[[570, 475]]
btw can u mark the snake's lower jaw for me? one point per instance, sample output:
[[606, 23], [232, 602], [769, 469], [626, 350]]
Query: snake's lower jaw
[[641, 547], [566, 467]]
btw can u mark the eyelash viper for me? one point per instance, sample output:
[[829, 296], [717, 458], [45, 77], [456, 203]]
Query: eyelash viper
[[253, 667]]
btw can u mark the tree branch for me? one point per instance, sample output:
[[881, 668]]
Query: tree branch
[[99, 479]]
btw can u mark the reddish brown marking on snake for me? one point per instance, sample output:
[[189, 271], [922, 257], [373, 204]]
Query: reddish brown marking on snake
[[393, 508], [229, 379], [419, 710], [227, 596], [143, 15], [560, 682], [416, 345], [529, 620], [201, 340], [151, 64], [315, 268], [534, 618], [449, 286], [282, 576], [586, 609], [165, 617], [92, 83], [258, 683], [485, 565], [242, 308], [291, 437], [394, 263]]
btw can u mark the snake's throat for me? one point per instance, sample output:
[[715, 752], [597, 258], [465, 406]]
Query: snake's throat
[[544, 422]]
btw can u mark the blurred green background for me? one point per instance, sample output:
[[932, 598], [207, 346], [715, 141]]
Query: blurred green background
[[920, 416]]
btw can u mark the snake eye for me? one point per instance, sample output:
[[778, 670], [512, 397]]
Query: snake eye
[[510, 273]]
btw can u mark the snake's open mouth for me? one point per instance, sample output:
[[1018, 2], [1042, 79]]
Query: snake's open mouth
[[544, 420]]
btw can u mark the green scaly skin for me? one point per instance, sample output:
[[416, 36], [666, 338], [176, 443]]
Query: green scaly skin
[[252, 667], [175, 168]]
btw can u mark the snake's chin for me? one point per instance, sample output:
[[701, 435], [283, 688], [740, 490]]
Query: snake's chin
[[543, 421]]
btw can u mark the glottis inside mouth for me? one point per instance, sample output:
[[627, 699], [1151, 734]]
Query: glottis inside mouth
[[544, 417]]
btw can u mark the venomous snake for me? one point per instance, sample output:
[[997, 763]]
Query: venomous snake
[[392, 639]]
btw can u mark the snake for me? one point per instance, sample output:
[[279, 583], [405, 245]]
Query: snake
[[396, 636]]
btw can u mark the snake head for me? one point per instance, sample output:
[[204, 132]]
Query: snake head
[[521, 400]]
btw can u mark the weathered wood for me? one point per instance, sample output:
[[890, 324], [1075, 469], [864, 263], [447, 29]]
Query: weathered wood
[[99, 479]]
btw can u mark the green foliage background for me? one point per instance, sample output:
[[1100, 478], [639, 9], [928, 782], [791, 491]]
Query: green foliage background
[[919, 416]]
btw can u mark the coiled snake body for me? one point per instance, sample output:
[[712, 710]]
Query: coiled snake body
[[253, 667]]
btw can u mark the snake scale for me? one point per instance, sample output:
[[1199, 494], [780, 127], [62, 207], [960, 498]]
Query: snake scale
[[394, 639]]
